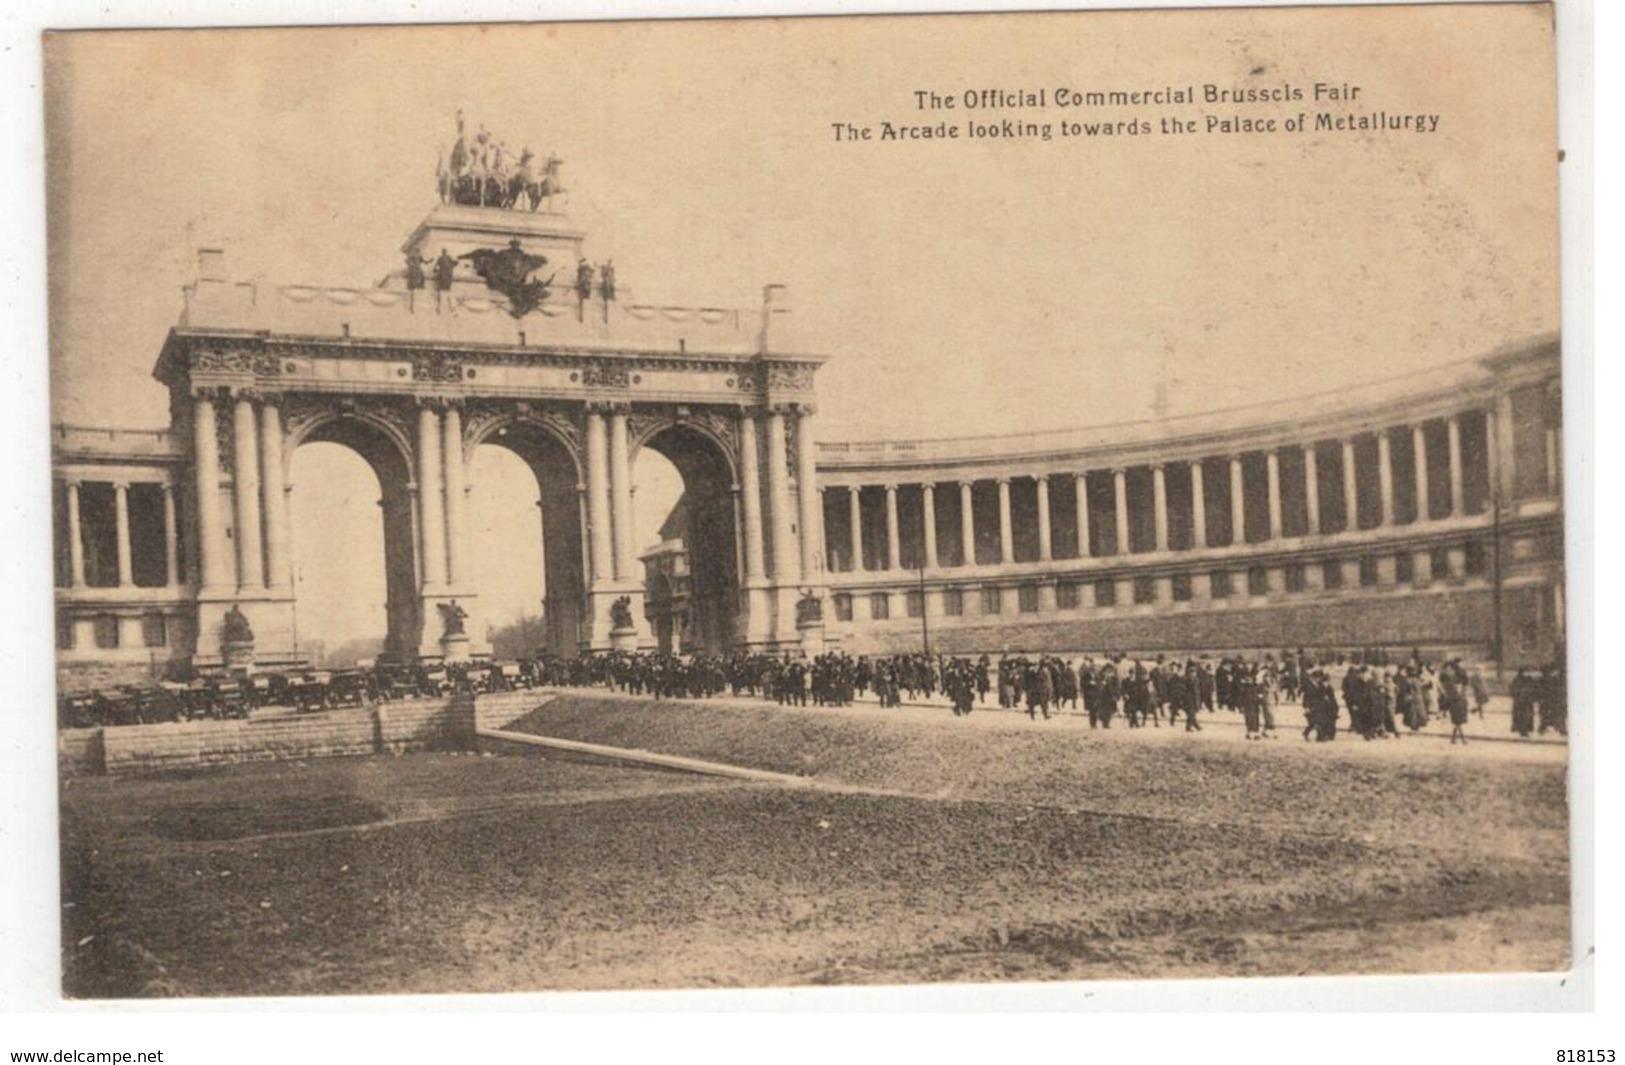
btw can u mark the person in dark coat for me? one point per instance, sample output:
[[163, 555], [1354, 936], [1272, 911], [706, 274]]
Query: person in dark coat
[[1453, 699], [1523, 703]]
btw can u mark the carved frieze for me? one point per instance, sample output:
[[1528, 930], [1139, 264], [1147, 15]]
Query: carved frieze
[[607, 377], [260, 364], [437, 368], [789, 378], [772, 378]]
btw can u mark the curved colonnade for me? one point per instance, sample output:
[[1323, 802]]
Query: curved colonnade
[[1424, 511]]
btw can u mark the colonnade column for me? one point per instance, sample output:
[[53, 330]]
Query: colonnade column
[[76, 539], [1351, 489], [1006, 537], [1159, 505], [811, 512], [928, 514], [1198, 507], [1272, 466], [1045, 547], [1458, 505], [172, 576], [967, 522], [750, 486], [246, 490], [1311, 487], [786, 564], [457, 572], [278, 573], [1419, 459], [1083, 515], [1238, 503], [1120, 503], [121, 519], [1385, 478], [855, 512], [893, 536], [206, 468], [620, 477], [431, 512], [1496, 421]]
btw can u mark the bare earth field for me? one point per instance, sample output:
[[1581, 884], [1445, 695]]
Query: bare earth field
[[922, 848]]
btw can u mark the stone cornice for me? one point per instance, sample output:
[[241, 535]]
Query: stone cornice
[[239, 352], [1383, 405]]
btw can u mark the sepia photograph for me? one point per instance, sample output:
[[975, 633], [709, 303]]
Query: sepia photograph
[[807, 502]]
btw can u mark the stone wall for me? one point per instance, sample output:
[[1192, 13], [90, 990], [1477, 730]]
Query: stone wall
[[497, 710], [79, 752], [412, 725]]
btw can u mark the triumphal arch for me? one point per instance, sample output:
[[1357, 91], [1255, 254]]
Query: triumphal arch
[[497, 330]]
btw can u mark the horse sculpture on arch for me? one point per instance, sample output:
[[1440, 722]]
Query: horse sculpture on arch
[[537, 189], [481, 173]]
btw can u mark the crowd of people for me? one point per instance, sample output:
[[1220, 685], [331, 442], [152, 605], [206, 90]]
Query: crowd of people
[[1383, 697]]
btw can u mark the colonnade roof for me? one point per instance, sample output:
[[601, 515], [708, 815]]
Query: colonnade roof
[[91, 444], [1431, 393]]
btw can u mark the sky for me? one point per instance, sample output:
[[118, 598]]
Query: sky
[[963, 286]]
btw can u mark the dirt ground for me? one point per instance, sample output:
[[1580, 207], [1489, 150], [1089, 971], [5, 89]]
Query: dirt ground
[[922, 848]]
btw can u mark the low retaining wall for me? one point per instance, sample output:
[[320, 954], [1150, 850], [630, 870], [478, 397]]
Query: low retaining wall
[[412, 725]]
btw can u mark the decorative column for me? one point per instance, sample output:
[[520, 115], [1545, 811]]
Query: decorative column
[[1006, 538], [599, 523], [246, 487], [855, 510], [1272, 466], [431, 503], [278, 572], [76, 538], [751, 491], [928, 513], [811, 510], [1082, 481], [786, 564], [206, 467], [739, 532], [584, 519], [620, 500], [1120, 504], [967, 522], [1458, 505], [1198, 508], [121, 516], [172, 576], [1419, 459], [1385, 478], [1159, 505], [1351, 489], [894, 558], [1238, 503], [1311, 487], [1045, 547], [457, 570]]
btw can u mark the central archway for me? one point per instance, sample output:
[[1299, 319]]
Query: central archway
[[558, 494], [691, 576]]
